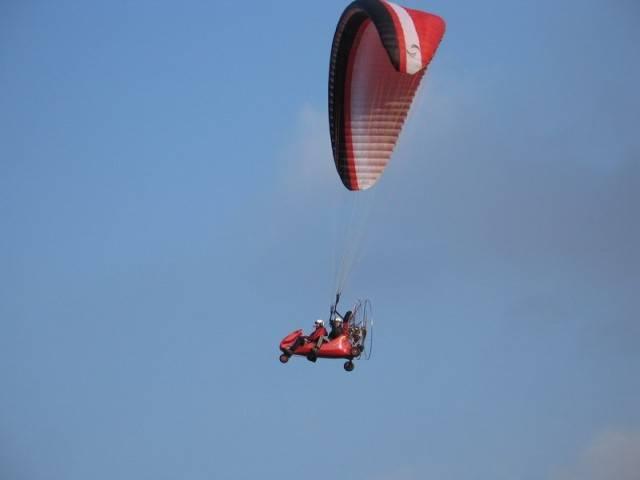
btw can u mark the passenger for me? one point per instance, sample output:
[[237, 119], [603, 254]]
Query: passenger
[[318, 336]]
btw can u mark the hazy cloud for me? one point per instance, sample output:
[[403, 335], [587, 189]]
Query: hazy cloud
[[612, 455], [307, 159]]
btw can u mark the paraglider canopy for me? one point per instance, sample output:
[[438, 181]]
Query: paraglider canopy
[[379, 55]]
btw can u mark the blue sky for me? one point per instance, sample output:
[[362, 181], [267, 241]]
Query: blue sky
[[169, 210]]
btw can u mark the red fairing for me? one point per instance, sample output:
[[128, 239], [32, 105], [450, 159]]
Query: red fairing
[[289, 339], [337, 348]]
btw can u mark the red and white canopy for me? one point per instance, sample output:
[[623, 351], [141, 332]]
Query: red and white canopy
[[380, 53]]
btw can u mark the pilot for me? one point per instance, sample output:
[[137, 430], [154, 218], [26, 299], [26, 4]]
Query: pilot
[[339, 326]]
